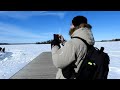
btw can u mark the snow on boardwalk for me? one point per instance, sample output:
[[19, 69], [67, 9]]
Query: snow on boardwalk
[[39, 68]]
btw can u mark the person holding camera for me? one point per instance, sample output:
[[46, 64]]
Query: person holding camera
[[73, 50]]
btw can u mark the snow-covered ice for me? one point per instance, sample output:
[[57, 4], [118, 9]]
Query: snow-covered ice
[[113, 50], [17, 56]]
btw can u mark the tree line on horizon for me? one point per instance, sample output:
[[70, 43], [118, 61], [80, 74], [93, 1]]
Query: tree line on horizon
[[110, 40], [44, 42], [49, 42]]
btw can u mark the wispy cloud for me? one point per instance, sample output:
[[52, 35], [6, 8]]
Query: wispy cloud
[[13, 30], [9, 32], [12, 33], [29, 14], [5, 39]]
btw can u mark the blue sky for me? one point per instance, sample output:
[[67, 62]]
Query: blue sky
[[35, 26]]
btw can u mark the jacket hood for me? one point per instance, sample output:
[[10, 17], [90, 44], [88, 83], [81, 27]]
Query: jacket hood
[[84, 33]]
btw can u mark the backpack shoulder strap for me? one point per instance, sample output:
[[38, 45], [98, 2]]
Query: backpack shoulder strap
[[83, 41]]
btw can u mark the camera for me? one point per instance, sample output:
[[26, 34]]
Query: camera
[[56, 40], [56, 37]]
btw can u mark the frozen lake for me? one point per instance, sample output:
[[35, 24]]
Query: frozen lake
[[17, 56]]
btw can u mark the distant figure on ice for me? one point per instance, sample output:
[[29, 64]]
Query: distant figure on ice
[[3, 50], [0, 48]]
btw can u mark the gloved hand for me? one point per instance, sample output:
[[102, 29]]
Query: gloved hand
[[62, 40], [55, 42]]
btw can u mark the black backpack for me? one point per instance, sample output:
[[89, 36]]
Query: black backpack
[[94, 66]]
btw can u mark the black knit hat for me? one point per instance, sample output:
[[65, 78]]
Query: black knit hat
[[78, 20]]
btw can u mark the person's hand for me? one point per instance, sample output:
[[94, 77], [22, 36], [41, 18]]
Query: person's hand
[[54, 43], [62, 40]]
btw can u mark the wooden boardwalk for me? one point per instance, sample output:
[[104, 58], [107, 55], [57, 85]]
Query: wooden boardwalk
[[40, 68]]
